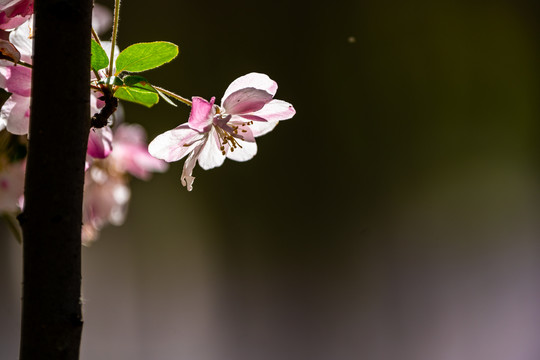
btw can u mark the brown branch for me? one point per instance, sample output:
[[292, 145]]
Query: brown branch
[[101, 118], [51, 220]]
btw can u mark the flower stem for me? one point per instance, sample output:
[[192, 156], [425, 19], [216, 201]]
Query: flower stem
[[173, 95], [25, 64], [113, 40], [22, 63], [95, 36]]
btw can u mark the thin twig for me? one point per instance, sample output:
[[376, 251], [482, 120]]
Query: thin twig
[[173, 95], [113, 40]]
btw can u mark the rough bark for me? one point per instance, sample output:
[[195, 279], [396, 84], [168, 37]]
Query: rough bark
[[52, 216]]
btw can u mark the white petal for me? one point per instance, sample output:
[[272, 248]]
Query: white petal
[[187, 171], [174, 144], [245, 153], [262, 128], [251, 80], [21, 38], [16, 114], [211, 155]]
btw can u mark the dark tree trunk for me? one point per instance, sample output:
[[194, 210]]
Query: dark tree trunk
[[51, 220]]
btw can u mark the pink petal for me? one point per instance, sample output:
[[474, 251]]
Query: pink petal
[[95, 103], [130, 134], [144, 164], [246, 100], [270, 114], [131, 152], [174, 144], [100, 142], [12, 22], [253, 80], [276, 110], [136, 160], [19, 80], [243, 130], [14, 13], [249, 117], [202, 113]]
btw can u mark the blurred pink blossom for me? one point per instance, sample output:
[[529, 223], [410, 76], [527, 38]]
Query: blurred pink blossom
[[106, 190], [106, 197], [131, 152]]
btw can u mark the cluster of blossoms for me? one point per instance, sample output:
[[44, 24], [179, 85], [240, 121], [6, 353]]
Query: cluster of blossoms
[[117, 150], [106, 180]]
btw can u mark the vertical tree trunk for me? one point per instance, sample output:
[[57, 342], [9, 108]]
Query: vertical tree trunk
[[51, 220]]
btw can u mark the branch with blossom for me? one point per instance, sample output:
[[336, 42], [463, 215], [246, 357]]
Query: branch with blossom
[[96, 151], [116, 151]]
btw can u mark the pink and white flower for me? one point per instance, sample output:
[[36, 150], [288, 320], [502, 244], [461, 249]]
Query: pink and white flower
[[248, 110]]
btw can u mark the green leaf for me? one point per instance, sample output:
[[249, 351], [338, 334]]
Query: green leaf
[[99, 60], [132, 80], [142, 82], [139, 82], [145, 56], [136, 94], [114, 80]]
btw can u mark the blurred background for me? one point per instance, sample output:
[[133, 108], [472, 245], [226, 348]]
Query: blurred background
[[394, 217]]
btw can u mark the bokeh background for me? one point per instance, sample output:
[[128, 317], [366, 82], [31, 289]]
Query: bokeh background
[[394, 217]]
